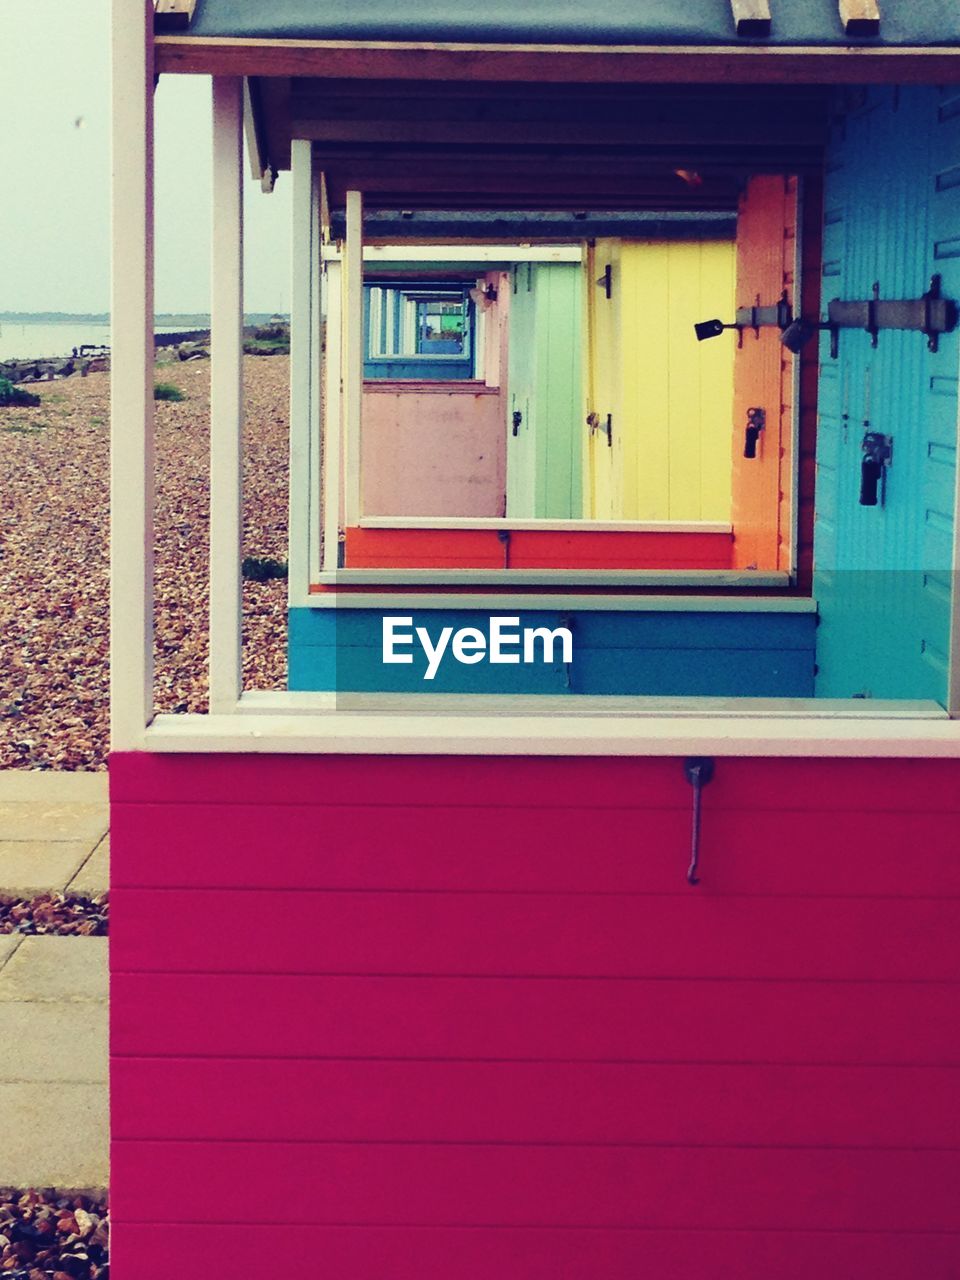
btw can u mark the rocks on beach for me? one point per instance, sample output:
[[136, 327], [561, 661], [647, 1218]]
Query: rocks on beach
[[194, 344], [54, 551]]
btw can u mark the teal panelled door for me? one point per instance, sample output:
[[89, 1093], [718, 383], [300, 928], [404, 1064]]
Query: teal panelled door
[[544, 439], [883, 573]]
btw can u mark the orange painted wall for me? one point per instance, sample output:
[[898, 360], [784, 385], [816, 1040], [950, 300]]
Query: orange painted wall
[[534, 549], [763, 373]]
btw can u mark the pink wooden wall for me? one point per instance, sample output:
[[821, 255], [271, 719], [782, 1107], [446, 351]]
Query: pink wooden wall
[[395, 1018], [439, 448]]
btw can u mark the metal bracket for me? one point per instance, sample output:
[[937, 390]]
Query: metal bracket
[[778, 316], [698, 770], [594, 423], [930, 314], [606, 280]]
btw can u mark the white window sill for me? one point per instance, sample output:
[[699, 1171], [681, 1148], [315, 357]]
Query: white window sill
[[348, 724], [715, 579]]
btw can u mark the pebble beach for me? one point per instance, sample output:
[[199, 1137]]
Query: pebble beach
[[54, 557]]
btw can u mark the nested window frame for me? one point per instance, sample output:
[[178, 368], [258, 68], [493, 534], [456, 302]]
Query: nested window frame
[[334, 433]]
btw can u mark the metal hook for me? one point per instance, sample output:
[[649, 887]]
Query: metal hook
[[698, 771]]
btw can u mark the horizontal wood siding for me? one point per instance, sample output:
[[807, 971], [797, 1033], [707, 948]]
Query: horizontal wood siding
[[411, 1017], [710, 654], [412, 1253]]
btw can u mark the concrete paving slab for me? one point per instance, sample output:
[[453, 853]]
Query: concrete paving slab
[[54, 1136], [9, 942], [48, 786], [93, 877], [31, 867], [54, 968], [53, 1041], [47, 820]]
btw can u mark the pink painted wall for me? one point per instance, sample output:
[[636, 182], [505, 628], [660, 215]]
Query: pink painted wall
[[416, 1017], [439, 448]]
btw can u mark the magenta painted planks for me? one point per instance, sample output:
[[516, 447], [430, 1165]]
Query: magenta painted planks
[[327, 846], [535, 1102], [609, 1074], [489, 1253], [413, 1253], [681, 935], [517, 1185], [672, 1021], [919, 786]]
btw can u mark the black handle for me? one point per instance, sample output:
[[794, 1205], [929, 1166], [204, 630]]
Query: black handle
[[756, 421], [517, 419], [698, 771], [877, 456], [870, 472]]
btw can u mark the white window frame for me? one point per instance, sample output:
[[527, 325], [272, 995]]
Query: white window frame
[[304, 723]]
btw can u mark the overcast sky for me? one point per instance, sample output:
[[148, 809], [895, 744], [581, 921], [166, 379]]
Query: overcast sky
[[55, 181]]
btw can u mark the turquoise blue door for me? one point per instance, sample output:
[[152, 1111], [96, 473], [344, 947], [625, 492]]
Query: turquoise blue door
[[883, 573]]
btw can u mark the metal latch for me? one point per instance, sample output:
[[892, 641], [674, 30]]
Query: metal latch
[[877, 457], [594, 423], [698, 771], [756, 421]]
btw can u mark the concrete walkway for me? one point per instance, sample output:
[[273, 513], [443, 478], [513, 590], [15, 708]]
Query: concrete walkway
[[53, 833], [53, 990]]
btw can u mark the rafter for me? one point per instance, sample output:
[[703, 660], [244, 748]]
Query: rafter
[[860, 17], [173, 15], [751, 17]]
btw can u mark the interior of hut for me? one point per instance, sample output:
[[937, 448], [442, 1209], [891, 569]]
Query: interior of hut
[[574, 403], [649, 340], [570, 402]]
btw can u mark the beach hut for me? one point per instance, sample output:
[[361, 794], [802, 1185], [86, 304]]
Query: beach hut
[[636, 957]]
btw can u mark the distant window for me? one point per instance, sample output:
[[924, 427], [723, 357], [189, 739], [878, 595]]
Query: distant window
[[421, 330]]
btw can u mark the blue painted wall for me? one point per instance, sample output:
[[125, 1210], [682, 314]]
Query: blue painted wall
[[883, 574], [733, 654]]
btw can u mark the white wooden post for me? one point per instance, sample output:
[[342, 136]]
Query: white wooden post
[[316, 375], [226, 398], [131, 376], [332, 409], [353, 354], [302, 357]]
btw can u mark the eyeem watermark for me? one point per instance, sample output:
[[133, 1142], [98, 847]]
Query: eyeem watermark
[[507, 642]]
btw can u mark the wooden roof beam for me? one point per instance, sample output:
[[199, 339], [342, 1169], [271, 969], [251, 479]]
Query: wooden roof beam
[[568, 64], [751, 17], [860, 17]]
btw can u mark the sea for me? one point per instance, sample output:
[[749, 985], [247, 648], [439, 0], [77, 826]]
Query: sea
[[28, 340]]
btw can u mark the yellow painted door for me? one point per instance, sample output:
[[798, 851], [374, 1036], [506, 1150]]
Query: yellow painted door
[[677, 392]]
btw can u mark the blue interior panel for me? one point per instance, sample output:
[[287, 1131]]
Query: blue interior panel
[[676, 654], [883, 573]]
